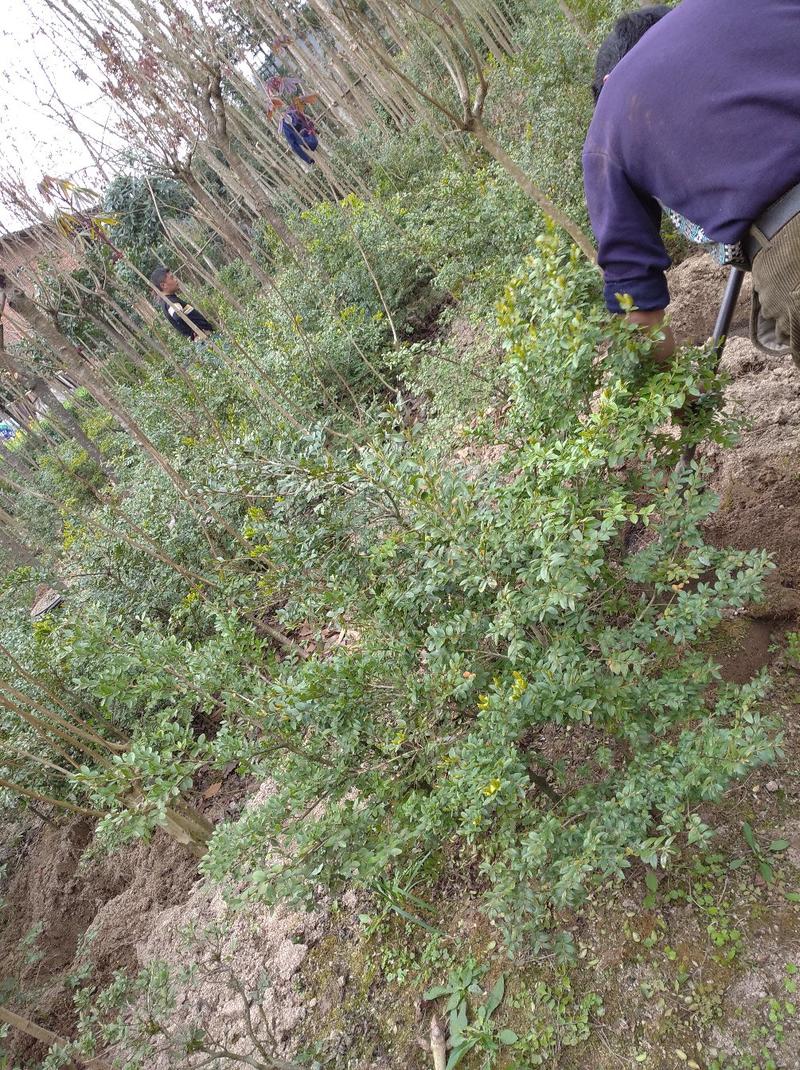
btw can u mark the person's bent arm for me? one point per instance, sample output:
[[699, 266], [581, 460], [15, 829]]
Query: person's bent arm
[[627, 225]]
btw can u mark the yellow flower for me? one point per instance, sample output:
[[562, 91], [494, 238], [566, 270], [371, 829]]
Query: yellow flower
[[492, 787], [519, 688]]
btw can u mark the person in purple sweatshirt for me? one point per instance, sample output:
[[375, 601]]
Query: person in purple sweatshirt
[[698, 116]]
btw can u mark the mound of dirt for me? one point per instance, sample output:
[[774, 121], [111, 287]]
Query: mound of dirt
[[696, 287], [59, 915], [63, 915], [265, 949], [757, 481], [253, 952]]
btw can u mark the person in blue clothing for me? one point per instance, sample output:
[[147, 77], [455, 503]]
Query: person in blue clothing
[[699, 117], [299, 132]]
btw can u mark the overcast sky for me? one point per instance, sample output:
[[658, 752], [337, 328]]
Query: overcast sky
[[34, 143]]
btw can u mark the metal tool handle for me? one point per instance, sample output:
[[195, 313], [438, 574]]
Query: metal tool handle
[[733, 288]]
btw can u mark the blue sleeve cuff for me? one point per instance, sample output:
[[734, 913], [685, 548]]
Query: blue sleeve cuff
[[648, 292]]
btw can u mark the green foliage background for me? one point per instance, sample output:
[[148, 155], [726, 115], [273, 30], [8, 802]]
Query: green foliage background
[[471, 565]]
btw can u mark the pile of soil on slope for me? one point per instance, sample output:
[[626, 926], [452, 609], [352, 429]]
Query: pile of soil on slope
[[59, 915], [65, 918], [758, 481], [696, 287], [265, 949]]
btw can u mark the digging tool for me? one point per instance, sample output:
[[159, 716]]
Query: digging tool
[[733, 288]]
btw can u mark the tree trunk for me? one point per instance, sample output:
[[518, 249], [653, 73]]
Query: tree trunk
[[69, 423], [572, 19], [21, 553], [18, 531], [188, 827], [60, 344], [225, 227], [181, 821], [29, 793]]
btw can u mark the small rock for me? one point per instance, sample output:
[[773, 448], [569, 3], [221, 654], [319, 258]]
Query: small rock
[[773, 786], [288, 959]]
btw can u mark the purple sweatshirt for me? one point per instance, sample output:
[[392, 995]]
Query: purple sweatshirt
[[702, 115]]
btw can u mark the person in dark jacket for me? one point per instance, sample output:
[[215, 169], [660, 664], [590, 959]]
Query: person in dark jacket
[[184, 317], [700, 119], [299, 132]]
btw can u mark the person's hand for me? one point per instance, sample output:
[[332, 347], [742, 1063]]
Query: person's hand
[[655, 318]]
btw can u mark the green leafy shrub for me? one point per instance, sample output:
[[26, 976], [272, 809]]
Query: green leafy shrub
[[499, 619]]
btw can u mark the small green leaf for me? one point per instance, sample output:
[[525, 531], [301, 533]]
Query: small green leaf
[[457, 1054], [507, 1036], [793, 897], [436, 991], [749, 836], [458, 1021], [495, 997], [779, 845], [765, 869], [651, 880], [641, 1057]]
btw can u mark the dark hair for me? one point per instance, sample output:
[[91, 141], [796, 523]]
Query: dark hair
[[158, 276], [628, 29]]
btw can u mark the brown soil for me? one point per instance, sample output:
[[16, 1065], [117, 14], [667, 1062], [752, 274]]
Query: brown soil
[[758, 481], [86, 913], [696, 287], [135, 908], [746, 651]]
